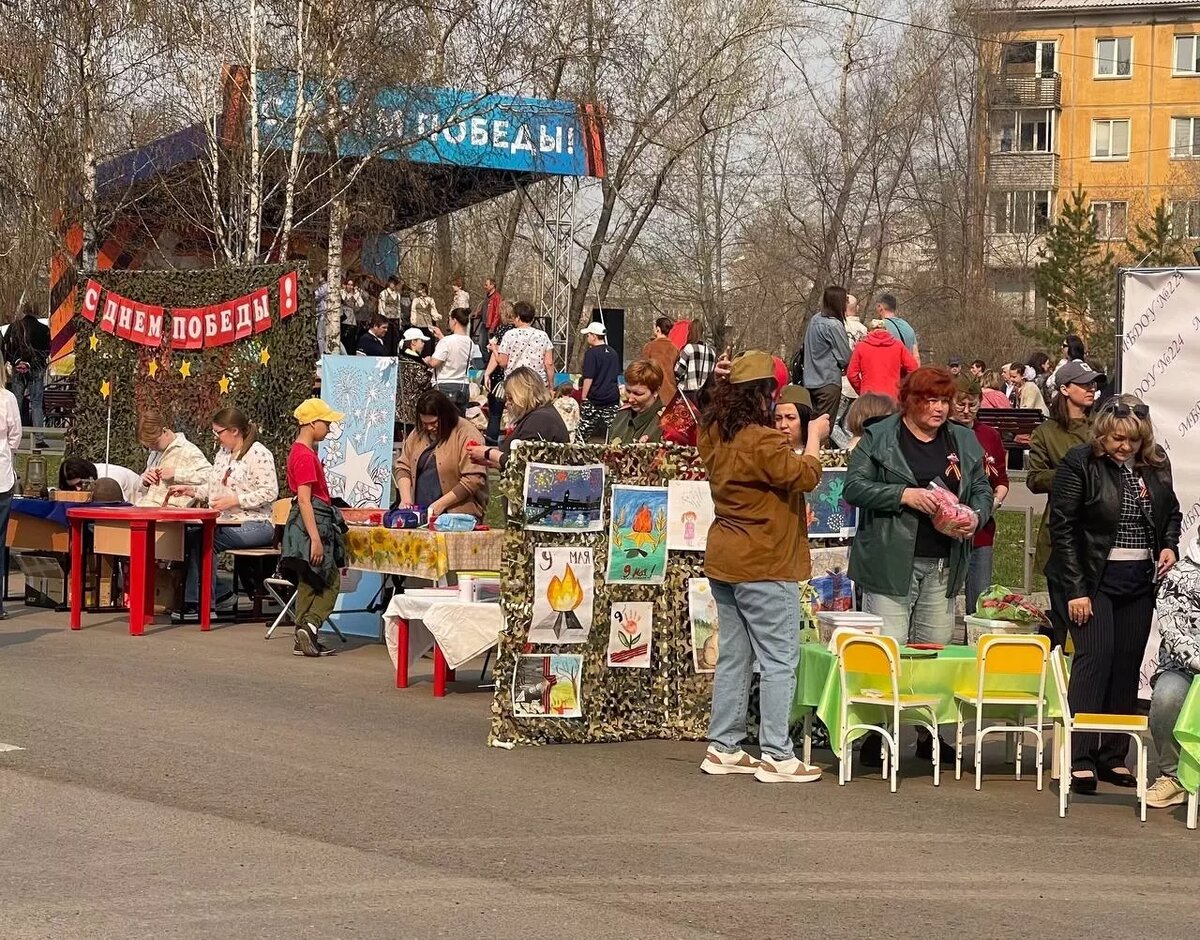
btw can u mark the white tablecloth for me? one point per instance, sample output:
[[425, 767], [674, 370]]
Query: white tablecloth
[[462, 630], [412, 606]]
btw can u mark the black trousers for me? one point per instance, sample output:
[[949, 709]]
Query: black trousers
[[1108, 659], [825, 399]]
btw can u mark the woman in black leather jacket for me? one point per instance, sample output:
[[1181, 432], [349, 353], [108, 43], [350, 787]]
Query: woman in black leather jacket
[[1114, 532]]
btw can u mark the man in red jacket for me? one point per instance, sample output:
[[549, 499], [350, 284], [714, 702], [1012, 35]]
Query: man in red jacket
[[487, 316], [879, 362]]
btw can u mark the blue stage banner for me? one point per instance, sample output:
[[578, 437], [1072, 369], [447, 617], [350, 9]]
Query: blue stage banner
[[443, 126]]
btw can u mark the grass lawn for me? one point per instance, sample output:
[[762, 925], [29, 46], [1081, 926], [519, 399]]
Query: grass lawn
[[1008, 565]]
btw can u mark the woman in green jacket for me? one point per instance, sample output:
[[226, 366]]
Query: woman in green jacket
[[638, 421], [910, 572], [1069, 426]]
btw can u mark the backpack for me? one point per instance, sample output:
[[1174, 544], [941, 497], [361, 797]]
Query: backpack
[[796, 368]]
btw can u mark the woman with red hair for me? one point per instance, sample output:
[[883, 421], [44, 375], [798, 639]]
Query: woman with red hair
[[909, 571]]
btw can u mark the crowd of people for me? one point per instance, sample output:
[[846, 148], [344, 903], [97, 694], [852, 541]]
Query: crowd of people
[[1108, 542]]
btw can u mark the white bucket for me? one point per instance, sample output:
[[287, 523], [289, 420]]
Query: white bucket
[[978, 626]]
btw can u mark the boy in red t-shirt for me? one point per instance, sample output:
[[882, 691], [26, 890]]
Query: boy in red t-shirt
[[307, 552]]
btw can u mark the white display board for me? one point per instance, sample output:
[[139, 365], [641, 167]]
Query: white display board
[[1158, 335]]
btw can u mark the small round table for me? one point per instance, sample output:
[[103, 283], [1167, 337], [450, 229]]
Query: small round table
[[141, 523]]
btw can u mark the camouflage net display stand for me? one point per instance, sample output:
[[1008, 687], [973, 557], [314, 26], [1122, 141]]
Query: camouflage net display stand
[[669, 700]]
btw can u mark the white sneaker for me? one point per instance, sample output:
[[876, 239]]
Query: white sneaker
[[1164, 792], [718, 762], [792, 770]]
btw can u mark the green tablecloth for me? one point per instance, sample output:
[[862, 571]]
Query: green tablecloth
[[1187, 733], [952, 670]]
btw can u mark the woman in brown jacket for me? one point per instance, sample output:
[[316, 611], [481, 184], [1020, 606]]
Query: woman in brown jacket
[[756, 556], [434, 469]]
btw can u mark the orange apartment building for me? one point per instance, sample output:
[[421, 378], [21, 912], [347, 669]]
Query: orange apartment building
[[1103, 94]]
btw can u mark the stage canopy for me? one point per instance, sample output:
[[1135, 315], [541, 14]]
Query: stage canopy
[[433, 151]]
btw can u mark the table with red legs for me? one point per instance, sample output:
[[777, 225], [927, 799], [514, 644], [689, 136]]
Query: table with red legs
[[141, 523]]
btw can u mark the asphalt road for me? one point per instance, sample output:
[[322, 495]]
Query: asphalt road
[[191, 785]]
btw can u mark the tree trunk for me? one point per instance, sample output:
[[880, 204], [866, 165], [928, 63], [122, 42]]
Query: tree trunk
[[254, 196]]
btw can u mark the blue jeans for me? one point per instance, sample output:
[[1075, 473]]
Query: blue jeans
[[246, 535], [33, 384], [925, 614], [756, 620], [1170, 689], [979, 575]]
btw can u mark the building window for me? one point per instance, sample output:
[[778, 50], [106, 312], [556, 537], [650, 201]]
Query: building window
[[1187, 55], [1110, 220], [1029, 131], [1036, 57], [1114, 58], [1110, 139], [1185, 219], [1020, 213], [1185, 137]]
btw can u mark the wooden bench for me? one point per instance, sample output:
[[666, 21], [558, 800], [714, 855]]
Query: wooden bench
[[58, 405], [1015, 426]]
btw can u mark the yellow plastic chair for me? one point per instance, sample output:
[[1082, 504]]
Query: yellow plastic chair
[[874, 662], [1133, 725], [1001, 654]]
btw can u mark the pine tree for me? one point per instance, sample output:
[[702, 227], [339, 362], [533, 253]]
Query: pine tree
[[1157, 246], [1076, 276]]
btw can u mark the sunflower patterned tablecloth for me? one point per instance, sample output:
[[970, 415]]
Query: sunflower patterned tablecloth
[[422, 553]]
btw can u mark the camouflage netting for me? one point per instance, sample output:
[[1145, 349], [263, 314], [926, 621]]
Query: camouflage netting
[[668, 700], [268, 393]]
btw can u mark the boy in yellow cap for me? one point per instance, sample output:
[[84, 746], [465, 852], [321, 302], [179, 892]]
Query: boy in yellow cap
[[314, 545]]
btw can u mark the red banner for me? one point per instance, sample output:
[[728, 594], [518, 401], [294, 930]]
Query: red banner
[[108, 320], [187, 327], [223, 330], [91, 301], [288, 297], [260, 305], [191, 327]]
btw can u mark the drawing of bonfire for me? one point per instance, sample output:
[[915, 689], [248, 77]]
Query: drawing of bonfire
[[564, 595], [641, 534]]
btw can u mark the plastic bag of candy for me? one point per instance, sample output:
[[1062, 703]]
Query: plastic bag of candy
[[951, 514]]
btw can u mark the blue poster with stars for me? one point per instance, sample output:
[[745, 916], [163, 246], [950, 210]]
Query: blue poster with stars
[[358, 451]]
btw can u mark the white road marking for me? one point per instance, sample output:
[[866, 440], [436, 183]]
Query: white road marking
[[10, 747]]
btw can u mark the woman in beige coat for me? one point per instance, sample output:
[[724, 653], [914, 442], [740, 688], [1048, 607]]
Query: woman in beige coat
[[434, 469]]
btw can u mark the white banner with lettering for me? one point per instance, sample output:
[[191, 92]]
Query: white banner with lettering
[[1159, 337]]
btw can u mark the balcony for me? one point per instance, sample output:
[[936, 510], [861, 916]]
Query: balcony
[[1022, 171], [1013, 251], [1025, 91]]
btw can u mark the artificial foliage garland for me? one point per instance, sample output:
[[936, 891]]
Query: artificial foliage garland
[[266, 375], [670, 699]]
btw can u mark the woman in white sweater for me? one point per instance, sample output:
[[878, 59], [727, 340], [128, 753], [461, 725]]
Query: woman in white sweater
[[243, 484]]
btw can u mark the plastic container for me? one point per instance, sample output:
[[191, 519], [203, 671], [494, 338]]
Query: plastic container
[[978, 626], [830, 620]]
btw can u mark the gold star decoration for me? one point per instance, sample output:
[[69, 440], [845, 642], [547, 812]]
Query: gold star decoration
[[153, 368], [94, 341], [185, 369], [265, 356], [105, 388], [224, 385]]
